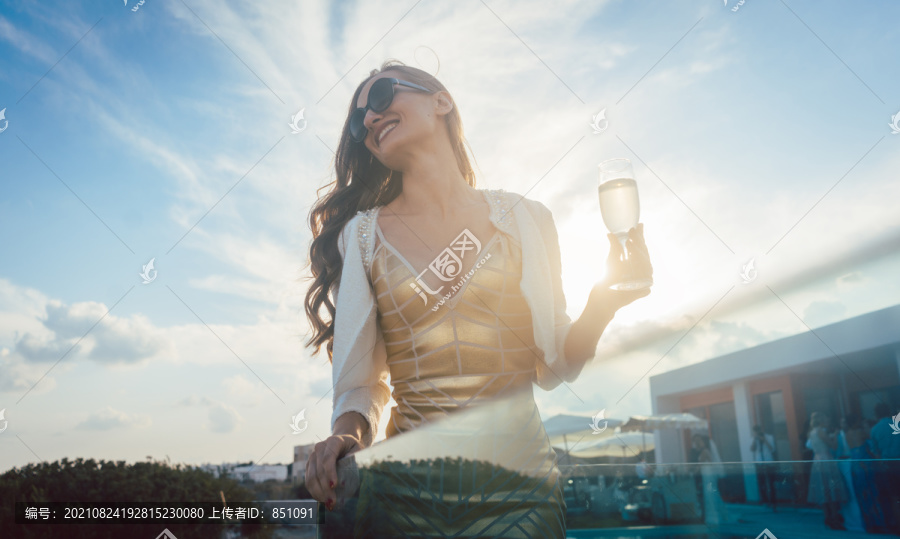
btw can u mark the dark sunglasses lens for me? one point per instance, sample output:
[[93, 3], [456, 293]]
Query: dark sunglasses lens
[[381, 94], [357, 125]]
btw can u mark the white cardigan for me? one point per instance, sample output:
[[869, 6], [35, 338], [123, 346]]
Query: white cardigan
[[359, 369]]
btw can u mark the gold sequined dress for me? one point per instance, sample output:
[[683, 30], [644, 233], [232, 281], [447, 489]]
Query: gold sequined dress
[[475, 348]]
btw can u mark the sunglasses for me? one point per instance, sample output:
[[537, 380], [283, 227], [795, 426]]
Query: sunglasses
[[381, 95]]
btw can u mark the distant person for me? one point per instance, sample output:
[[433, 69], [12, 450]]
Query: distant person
[[826, 484], [850, 435], [643, 470], [693, 458], [864, 474], [711, 470], [620, 489], [693, 454], [886, 445], [801, 472], [763, 448]]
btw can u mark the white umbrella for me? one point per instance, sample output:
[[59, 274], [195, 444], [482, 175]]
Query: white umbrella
[[622, 444], [564, 427], [649, 423], [565, 430]]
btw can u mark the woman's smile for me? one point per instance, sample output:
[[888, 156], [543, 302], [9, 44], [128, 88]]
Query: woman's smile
[[384, 131]]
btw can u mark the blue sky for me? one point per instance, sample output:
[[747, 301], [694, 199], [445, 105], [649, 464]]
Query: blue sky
[[162, 133]]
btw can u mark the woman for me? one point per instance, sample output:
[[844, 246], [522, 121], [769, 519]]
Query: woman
[[405, 192], [826, 485], [850, 436], [711, 470], [801, 476], [862, 477]]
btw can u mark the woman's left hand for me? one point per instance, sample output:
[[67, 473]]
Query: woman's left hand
[[638, 264]]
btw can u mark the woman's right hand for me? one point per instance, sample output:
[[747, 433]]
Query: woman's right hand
[[321, 468], [617, 268]]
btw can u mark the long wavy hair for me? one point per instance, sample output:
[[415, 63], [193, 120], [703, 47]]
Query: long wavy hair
[[362, 182]]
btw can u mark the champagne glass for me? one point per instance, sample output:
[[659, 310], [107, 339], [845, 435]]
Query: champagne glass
[[620, 208]]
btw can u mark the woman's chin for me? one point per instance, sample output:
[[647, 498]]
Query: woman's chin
[[387, 143], [388, 152]]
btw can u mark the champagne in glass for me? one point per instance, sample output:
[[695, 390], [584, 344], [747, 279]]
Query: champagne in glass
[[620, 208]]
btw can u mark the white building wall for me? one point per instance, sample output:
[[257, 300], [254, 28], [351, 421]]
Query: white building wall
[[301, 455], [261, 473], [743, 411], [667, 441], [864, 332]]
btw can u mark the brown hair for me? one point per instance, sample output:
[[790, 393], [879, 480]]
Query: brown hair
[[362, 182], [818, 419]]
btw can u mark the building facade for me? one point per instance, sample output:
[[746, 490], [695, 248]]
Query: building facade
[[839, 369], [301, 455]]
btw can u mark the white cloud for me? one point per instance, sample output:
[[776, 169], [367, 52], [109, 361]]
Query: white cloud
[[20, 377], [39, 331], [194, 400], [109, 418], [222, 418], [36, 332], [241, 389], [85, 329], [820, 313], [27, 43], [851, 279]]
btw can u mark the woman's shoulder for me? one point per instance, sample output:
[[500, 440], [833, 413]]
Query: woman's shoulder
[[361, 223], [351, 223], [511, 198], [506, 202]]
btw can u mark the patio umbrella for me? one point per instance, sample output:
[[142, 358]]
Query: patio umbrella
[[650, 423], [564, 427], [622, 444], [566, 430]]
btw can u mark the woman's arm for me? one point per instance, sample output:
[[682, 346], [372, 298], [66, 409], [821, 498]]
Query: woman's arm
[[352, 423], [603, 302], [359, 366], [576, 342], [581, 343]]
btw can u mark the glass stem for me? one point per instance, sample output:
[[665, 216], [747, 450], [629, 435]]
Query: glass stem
[[623, 237]]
